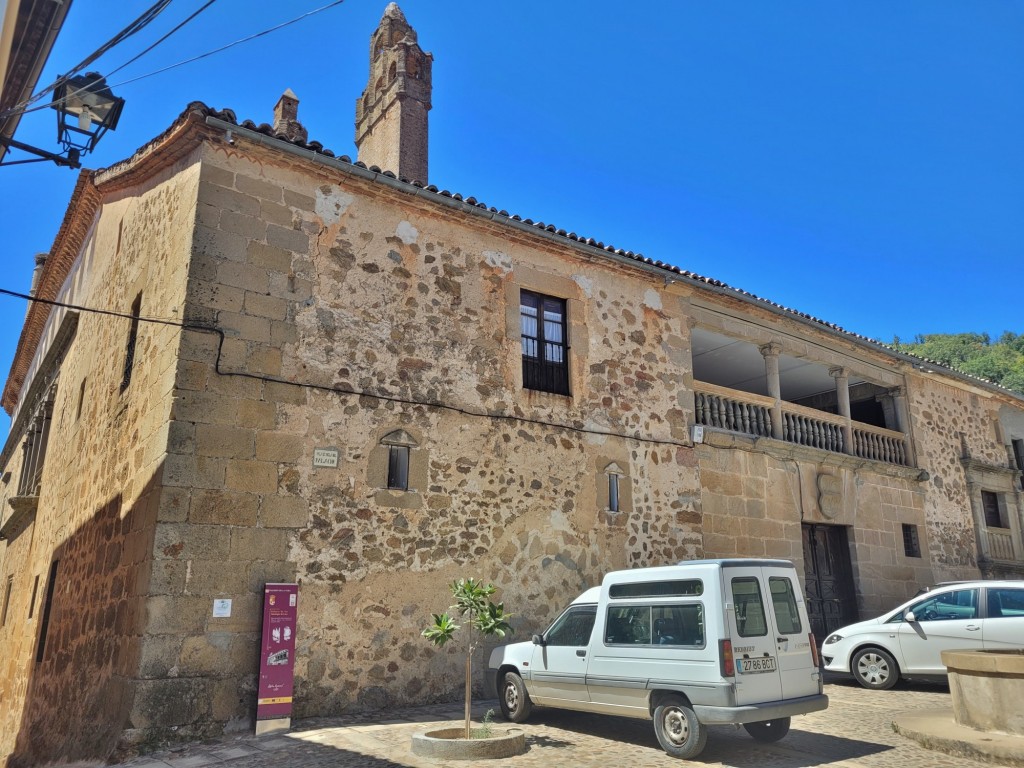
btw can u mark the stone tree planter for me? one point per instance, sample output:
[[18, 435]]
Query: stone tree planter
[[987, 688], [452, 744]]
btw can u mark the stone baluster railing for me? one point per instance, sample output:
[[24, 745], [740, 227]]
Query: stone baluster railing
[[1000, 544], [733, 414]]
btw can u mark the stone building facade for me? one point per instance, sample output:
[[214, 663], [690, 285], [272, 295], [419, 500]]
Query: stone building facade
[[507, 401]]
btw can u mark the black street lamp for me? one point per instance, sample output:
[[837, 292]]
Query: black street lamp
[[86, 109]]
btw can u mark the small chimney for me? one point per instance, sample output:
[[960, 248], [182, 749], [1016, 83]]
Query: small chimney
[[286, 117]]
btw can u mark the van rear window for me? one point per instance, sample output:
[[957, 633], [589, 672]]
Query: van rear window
[[677, 588]]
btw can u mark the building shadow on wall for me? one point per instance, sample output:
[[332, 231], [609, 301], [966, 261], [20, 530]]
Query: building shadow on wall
[[79, 690]]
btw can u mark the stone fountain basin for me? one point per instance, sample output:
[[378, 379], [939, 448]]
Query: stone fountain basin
[[451, 744], [987, 689]]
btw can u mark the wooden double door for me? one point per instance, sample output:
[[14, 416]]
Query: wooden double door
[[828, 579]]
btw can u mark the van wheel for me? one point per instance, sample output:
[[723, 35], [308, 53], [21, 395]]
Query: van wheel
[[514, 700], [679, 731], [768, 731], [874, 668]]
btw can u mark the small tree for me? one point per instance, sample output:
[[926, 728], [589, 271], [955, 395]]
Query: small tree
[[472, 599]]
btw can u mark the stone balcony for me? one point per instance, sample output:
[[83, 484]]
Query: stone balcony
[[759, 416]]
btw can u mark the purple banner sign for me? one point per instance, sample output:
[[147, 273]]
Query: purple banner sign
[[277, 651]]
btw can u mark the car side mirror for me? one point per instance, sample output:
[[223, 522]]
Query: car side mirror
[[538, 639], [909, 616]]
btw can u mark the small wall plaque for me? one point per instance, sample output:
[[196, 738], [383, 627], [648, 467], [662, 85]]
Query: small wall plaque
[[325, 457], [222, 608]]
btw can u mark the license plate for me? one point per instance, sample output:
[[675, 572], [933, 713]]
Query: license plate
[[753, 666]]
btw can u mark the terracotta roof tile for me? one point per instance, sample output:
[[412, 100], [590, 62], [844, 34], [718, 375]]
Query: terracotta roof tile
[[199, 109]]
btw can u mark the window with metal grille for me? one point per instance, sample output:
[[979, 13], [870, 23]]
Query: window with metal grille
[[133, 336], [542, 322], [990, 504], [911, 544]]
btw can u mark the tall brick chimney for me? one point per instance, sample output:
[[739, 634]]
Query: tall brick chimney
[[391, 115]]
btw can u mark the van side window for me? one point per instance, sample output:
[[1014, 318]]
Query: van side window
[[656, 625], [573, 627], [787, 618], [750, 617]]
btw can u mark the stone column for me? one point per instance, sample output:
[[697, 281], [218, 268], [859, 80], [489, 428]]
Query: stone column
[[899, 403], [842, 377], [770, 352]]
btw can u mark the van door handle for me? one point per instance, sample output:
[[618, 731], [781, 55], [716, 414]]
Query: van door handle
[[781, 639], [581, 653], [972, 627]]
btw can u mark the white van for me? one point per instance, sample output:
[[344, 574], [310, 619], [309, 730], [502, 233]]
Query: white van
[[689, 645]]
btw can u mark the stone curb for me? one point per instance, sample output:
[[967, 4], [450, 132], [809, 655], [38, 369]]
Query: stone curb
[[936, 729]]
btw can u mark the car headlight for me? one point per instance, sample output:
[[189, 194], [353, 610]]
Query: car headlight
[[832, 639]]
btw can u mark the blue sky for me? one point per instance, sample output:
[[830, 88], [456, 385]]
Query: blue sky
[[862, 162]]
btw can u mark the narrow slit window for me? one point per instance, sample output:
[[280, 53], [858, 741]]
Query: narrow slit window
[[613, 493], [398, 467], [35, 593], [8, 588], [81, 400], [133, 336], [51, 582]]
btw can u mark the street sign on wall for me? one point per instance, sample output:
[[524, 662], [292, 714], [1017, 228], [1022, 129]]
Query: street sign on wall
[[277, 657]]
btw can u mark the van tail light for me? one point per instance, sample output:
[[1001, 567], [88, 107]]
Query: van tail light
[[814, 650], [725, 658]]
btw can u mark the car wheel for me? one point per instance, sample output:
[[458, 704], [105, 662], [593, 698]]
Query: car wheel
[[679, 731], [874, 668], [514, 700], [768, 731]]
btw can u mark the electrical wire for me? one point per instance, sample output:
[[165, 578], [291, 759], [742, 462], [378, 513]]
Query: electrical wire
[[18, 109], [140, 23], [254, 36], [344, 390], [138, 56]]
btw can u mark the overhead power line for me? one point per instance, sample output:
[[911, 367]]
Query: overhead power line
[[140, 23], [26, 107], [345, 390]]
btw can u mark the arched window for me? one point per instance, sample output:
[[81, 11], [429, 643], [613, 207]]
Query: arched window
[[613, 472], [379, 87], [393, 72]]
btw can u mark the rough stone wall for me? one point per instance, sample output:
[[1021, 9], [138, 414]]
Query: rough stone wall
[[754, 503], [96, 508], [345, 288], [950, 424]]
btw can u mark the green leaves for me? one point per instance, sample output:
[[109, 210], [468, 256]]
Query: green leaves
[[472, 599], [491, 620], [443, 629], [976, 354]]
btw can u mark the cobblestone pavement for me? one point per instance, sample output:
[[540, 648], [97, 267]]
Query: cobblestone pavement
[[856, 730]]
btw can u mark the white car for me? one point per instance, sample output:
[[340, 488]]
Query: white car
[[908, 640]]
